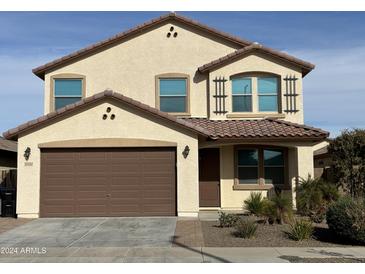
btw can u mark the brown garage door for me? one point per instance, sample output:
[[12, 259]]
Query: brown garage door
[[108, 182]]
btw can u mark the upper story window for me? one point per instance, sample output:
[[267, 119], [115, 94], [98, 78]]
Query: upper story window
[[67, 91], [242, 95], [255, 94], [267, 89], [173, 94]]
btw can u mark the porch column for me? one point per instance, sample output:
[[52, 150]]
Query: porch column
[[303, 157]]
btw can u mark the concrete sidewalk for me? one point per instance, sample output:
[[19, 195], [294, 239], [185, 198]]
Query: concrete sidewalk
[[180, 254]]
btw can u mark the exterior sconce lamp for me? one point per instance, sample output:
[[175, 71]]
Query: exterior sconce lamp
[[27, 153], [186, 151]]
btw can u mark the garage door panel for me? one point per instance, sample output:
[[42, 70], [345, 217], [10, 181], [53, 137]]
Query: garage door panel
[[133, 194], [108, 182]]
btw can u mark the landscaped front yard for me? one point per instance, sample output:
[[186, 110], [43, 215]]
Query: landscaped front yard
[[267, 236]]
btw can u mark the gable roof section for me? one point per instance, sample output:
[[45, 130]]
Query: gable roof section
[[258, 129], [12, 134], [305, 66], [41, 70]]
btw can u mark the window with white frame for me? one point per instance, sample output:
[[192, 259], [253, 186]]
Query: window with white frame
[[255, 94]]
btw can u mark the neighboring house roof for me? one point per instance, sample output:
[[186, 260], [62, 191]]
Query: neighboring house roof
[[321, 152], [257, 129], [41, 70], [52, 116], [214, 129], [8, 145], [306, 66]]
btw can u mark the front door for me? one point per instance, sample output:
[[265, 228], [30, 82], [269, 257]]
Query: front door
[[209, 177]]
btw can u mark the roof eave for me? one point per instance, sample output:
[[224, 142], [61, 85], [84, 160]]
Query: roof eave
[[305, 66]]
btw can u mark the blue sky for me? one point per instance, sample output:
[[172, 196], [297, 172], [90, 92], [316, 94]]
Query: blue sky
[[334, 93]]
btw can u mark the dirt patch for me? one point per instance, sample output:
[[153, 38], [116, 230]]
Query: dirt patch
[[267, 236], [188, 233], [10, 223]]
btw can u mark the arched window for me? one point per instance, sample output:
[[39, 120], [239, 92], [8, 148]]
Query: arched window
[[255, 92]]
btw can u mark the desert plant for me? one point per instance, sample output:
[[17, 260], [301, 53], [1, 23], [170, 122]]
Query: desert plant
[[283, 207], [314, 196], [227, 220], [269, 211], [254, 204], [246, 228], [300, 229], [346, 218]]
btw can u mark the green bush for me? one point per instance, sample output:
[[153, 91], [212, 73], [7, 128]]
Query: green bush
[[300, 230], [227, 220], [254, 204], [346, 218], [314, 196], [246, 228]]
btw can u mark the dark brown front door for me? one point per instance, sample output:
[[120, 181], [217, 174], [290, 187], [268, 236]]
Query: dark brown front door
[[209, 177], [108, 182]]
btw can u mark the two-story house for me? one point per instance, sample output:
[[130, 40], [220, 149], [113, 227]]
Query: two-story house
[[168, 118]]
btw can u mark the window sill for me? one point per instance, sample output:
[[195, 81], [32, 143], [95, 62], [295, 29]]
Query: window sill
[[259, 187], [180, 114], [251, 187], [256, 115]]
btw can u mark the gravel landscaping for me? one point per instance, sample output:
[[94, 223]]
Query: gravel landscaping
[[294, 259], [266, 236]]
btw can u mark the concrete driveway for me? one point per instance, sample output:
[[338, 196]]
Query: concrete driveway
[[92, 232]]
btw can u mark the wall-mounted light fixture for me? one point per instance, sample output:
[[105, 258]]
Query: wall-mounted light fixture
[[27, 153], [186, 151]]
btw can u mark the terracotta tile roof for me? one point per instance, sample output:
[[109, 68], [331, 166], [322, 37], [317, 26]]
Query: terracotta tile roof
[[41, 70], [52, 116], [306, 66], [8, 145], [256, 129], [213, 129]]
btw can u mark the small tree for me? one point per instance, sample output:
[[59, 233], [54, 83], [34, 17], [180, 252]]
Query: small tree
[[348, 155]]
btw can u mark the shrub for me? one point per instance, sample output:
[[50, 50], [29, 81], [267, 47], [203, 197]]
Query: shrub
[[254, 204], [246, 228], [283, 207], [269, 211], [227, 220], [314, 196], [346, 218], [277, 209], [300, 230]]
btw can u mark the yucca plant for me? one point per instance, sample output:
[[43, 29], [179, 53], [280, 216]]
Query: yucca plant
[[246, 228], [300, 230], [254, 204]]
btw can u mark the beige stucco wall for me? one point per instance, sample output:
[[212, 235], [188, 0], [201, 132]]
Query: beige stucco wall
[[256, 63], [130, 67], [300, 165], [89, 124]]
